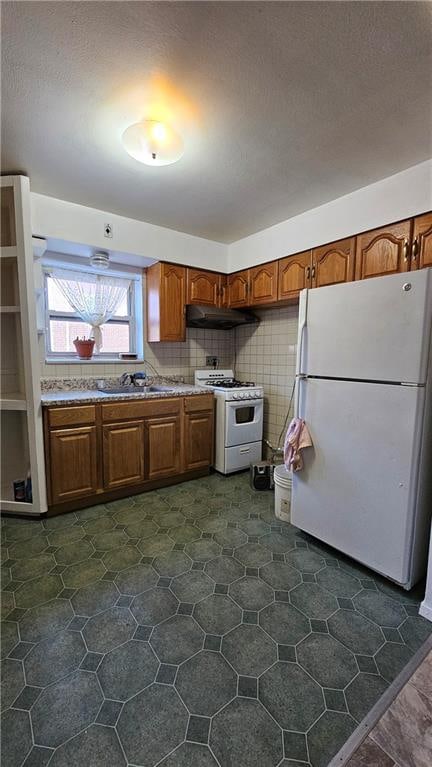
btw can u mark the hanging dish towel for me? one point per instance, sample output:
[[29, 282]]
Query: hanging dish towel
[[296, 439]]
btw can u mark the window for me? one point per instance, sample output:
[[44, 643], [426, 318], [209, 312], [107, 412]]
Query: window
[[63, 324]]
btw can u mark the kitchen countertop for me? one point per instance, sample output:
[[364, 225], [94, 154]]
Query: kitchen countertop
[[92, 396]]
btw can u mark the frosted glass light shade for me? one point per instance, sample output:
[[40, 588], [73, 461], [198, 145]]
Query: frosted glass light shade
[[153, 143]]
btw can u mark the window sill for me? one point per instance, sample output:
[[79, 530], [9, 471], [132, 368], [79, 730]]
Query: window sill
[[92, 361]]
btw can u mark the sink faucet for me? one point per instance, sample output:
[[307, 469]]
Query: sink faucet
[[125, 377]]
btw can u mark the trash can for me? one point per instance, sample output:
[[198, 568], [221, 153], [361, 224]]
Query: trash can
[[282, 483]]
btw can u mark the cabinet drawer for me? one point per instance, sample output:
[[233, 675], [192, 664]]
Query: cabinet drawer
[[119, 411], [71, 416], [198, 402]]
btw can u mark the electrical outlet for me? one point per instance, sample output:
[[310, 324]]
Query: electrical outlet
[[212, 362], [108, 232]]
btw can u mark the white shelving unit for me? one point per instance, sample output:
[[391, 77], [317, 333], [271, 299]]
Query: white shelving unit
[[20, 395]]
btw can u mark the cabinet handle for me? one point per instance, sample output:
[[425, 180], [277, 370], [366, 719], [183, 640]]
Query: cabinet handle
[[405, 250], [308, 272], [415, 249], [313, 271]]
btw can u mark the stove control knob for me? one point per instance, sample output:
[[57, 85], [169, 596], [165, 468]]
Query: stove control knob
[[235, 395]]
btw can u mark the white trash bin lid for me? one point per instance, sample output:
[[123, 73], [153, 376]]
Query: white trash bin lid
[[282, 477]]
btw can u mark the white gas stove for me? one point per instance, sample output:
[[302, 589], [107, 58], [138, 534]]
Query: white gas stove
[[239, 419]]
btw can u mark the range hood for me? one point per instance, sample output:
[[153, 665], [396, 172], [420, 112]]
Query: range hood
[[216, 318]]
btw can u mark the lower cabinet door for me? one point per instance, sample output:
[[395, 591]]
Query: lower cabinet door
[[73, 463], [162, 446], [123, 454], [198, 440]]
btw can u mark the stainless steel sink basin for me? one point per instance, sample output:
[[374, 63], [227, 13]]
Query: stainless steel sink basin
[[136, 389]]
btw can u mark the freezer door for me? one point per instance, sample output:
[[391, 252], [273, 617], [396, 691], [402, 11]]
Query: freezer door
[[357, 491], [370, 330]]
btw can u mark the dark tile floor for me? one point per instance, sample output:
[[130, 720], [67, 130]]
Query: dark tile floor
[[187, 627]]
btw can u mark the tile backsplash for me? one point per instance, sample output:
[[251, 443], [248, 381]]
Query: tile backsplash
[[180, 359], [263, 353], [266, 354]]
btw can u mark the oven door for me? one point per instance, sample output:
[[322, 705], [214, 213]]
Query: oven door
[[243, 422]]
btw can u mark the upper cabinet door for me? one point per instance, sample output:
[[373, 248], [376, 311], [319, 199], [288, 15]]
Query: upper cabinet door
[[263, 282], [383, 251], [421, 249], [203, 287], [223, 290], [294, 275], [333, 263], [238, 288], [166, 302]]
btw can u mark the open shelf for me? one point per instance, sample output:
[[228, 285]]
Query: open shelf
[[9, 291], [21, 437], [8, 251], [12, 360], [8, 223], [15, 457], [13, 401]]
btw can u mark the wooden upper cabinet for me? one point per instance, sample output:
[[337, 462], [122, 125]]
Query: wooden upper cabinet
[[238, 289], [294, 275], [162, 446], [383, 251], [421, 249], [123, 454], [73, 463], [166, 302], [223, 290], [263, 284], [204, 287], [333, 263]]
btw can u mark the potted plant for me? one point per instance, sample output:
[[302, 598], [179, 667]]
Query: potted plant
[[84, 347]]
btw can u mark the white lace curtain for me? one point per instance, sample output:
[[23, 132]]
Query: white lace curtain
[[94, 297]]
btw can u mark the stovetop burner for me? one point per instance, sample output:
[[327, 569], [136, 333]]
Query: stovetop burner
[[230, 383]]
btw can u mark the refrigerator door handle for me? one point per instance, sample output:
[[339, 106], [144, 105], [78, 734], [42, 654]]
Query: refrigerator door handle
[[302, 327]]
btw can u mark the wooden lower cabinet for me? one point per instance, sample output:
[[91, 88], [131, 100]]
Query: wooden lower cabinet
[[123, 454], [129, 445], [73, 463], [198, 440], [162, 446]]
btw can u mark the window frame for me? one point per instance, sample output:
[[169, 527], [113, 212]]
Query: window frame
[[129, 319]]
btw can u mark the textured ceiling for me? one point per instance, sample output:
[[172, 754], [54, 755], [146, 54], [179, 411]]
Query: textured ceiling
[[282, 106]]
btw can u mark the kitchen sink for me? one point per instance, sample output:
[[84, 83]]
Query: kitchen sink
[[136, 389]]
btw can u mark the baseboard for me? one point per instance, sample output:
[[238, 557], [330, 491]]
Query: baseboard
[[426, 610]]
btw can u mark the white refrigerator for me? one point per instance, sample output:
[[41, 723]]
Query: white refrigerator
[[364, 388]]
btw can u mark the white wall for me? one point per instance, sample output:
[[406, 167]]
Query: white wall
[[396, 197], [426, 605], [400, 196], [61, 220]]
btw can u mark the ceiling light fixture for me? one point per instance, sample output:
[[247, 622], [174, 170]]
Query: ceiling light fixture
[[100, 259], [153, 143]]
